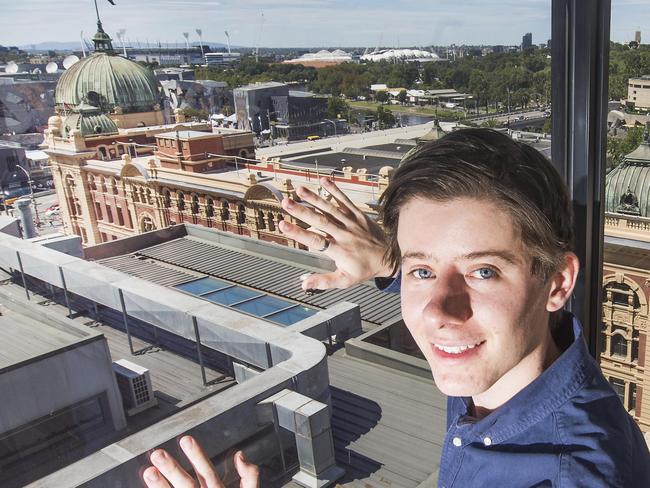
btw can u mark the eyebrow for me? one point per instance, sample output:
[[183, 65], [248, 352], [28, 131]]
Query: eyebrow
[[489, 253]]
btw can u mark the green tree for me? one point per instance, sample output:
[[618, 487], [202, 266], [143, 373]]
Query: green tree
[[385, 118], [382, 96], [337, 108], [194, 114], [618, 147], [402, 97]]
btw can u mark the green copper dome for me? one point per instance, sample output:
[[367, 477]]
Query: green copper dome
[[108, 81], [627, 187], [89, 121]]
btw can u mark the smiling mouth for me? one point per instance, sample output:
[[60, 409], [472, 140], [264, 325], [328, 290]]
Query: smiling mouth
[[456, 349]]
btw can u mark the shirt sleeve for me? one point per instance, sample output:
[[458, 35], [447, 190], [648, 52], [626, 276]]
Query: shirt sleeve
[[389, 285]]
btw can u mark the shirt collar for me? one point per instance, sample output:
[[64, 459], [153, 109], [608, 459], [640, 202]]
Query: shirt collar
[[545, 394]]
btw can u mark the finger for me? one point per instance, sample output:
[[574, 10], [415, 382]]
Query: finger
[[307, 238], [326, 281], [340, 197], [203, 467], [153, 478], [310, 216], [171, 470], [248, 472], [343, 215]]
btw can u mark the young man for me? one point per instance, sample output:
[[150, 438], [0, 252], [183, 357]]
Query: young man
[[479, 233]]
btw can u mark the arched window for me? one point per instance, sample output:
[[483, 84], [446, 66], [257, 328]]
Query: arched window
[[181, 201], [114, 186], [167, 198], [225, 210], [621, 294], [195, 204], [271, 219], [91, 182], [619, 345], [148, 196], [260, 220], [209, 209], [102, 184], [136, 195], [143, 199], [241, 214]]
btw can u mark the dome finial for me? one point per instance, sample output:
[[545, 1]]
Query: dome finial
[[103, 41]]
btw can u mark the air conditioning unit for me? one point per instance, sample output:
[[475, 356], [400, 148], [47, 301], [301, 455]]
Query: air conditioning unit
[[134, 383]]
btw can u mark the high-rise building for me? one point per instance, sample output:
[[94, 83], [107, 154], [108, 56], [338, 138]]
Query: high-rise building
[[527, 41], [637, 36]]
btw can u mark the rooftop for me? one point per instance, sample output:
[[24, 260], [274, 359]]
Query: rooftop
[[263, 267], [185, 135], [33, 338]]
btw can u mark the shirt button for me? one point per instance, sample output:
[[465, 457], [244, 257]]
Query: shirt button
[[457, 442], [487, 441]]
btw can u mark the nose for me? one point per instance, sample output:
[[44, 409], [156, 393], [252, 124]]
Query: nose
[[449, 301]]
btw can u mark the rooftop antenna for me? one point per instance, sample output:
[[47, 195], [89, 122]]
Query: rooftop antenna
[[199, 32], [259, 38], [83, 44], [228, 41], [186, 35]]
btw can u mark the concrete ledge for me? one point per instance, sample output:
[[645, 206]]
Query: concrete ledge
[[357, 348]]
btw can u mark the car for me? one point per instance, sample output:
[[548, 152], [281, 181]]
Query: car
[[52, 210], [313, 138]]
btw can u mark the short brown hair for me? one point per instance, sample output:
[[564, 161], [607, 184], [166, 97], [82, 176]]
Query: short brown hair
[[486, 164]]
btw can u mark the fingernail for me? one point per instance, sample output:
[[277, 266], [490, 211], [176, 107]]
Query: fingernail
[[152, 475], [159, 455], [242, 456], [187, 442]]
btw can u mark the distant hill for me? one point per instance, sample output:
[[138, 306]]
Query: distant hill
[[76, 45]]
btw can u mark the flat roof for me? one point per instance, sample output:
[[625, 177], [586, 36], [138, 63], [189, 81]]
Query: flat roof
[[340, 159], [186, 134], [393, 147], [32, 339]]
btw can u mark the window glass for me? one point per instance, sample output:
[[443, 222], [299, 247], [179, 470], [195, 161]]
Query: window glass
[[231, 296], [204, 285], [263, 305], [292, 315]]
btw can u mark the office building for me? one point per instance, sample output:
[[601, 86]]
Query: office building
[[527, 41]]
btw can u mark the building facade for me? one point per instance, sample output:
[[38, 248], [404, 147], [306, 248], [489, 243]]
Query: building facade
[[638, 93], [626, 282]]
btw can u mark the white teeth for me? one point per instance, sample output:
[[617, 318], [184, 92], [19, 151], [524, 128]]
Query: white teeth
[[456, 349]]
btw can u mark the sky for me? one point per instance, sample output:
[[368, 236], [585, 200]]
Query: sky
[[302, 23]]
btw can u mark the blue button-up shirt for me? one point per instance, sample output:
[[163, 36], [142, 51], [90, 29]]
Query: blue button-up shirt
[[567, 428]]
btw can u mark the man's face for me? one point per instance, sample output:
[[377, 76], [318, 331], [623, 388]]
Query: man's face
[[469, 299]]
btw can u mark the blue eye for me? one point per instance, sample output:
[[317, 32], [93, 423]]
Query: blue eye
[[486, 273], [421, 274]]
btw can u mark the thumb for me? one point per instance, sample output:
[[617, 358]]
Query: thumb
[[248, 472]]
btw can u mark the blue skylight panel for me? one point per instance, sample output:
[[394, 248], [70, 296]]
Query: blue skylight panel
[[231, 295], [291, 316], [263, 305], [201, 286]]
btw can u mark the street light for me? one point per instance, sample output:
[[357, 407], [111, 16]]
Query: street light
[[31, 193], [333, 123]]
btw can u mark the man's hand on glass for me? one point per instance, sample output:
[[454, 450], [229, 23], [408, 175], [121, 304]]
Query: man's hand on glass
[[167, 473], [342, 232]]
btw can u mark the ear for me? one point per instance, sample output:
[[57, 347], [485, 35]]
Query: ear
[[562, 282]]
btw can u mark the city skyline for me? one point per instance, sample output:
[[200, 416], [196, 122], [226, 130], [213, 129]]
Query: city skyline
[[286, 23]]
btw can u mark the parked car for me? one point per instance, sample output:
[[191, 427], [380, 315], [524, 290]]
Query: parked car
[[52, 210]]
